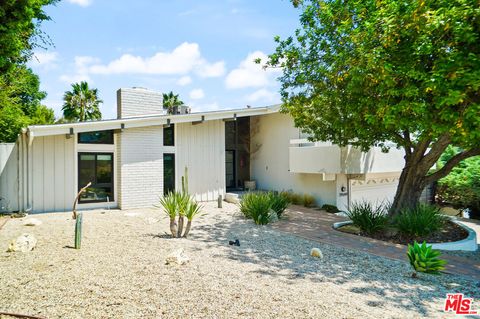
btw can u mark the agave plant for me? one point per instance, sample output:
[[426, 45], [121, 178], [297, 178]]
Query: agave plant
[[425, 259], [169, 205]]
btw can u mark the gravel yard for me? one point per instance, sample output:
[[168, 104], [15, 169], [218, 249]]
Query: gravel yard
[[120, 272]]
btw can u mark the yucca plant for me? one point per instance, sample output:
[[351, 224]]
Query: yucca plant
[[369, 218], [183, 201], [193, 209], [169, 205], [425, 259]]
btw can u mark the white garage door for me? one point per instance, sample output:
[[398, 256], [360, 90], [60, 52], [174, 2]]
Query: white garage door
[[375, 190]]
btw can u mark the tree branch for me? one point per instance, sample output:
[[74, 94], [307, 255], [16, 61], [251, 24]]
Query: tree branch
[[447, 168]]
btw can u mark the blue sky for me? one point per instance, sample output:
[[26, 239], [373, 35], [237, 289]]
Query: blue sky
[[203, 49]]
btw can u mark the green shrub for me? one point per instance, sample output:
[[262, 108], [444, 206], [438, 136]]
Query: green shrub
[[370, 219], [257, 206], [279, 203], [332, 209], [308, 200], [422, 220], [425, 259]]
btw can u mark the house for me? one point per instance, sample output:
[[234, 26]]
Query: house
[[141, 155]]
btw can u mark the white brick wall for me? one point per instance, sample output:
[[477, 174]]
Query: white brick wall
[[140, 166], [138, 102]]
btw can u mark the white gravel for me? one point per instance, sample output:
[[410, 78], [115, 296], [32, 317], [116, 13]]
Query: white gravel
[[120, 272]]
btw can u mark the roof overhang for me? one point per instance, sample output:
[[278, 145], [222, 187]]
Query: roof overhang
[[134, 122]]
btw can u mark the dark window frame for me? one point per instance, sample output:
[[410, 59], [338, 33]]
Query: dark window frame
[[172, 128], [174, 173], [110, 131], [112, 199]]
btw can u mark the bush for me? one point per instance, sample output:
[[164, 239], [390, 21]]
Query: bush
[[261, 206], [279, 203], [308, 200], [332, 209], [461, 188], [422, 220], [368, 218], [424, 259]]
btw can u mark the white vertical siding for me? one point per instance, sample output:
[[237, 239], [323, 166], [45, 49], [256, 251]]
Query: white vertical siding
[[9, 175], [201, 148], [52, 170]]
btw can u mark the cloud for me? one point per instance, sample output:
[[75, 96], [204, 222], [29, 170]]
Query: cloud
[[184, 80], [204, 107], [213, 70], [250, 74], [82, 3], [45, 58], [263, 95], [196, 94], [81, 70], [75, 78], [184, 59]]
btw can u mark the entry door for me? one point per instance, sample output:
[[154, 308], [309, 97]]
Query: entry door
[[168, 173], [230, 169]]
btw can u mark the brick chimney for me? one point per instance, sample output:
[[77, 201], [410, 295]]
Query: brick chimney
[[132, 102]]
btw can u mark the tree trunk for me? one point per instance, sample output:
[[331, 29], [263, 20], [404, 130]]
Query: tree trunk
[[410, 187], [180, 225], [187, 229], [173, 227]]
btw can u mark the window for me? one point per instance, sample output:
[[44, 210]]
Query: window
[[99, 137], [169, 135], [96, 168], [168, 173]]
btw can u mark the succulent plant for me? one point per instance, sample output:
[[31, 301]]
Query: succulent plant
[[425, 259]]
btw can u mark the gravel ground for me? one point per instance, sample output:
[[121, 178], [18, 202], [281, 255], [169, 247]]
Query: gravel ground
[[120, 273]]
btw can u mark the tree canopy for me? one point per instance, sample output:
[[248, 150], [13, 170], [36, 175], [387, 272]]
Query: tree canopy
[[372, 72], [20, 95], [81, 103]]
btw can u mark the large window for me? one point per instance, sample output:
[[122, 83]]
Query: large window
[[96, 168], [168, 173], [99, 137], [169, 135]]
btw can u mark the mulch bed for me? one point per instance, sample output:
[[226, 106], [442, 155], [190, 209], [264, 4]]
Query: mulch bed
[[450, 232]]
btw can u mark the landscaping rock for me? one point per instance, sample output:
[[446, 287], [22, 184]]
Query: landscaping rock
[[315, 252], [32, 222], [23, 243], [131, 214], [273, 217], [177, 257]]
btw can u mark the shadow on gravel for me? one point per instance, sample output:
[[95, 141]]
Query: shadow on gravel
[[281, 258]]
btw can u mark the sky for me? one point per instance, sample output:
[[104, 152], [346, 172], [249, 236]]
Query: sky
[[202, 50]]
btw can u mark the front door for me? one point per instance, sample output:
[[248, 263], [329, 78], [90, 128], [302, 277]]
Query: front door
[[230, 169]]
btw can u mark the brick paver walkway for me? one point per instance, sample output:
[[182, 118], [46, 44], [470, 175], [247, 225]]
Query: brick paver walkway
[[317, 226]]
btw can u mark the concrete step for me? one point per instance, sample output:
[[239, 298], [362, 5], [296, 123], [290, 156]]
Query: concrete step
[[232, 198]]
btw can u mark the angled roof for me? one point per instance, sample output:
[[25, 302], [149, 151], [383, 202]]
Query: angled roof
[[143, 121]]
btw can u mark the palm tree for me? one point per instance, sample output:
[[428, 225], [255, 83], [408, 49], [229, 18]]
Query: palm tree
[[81, 104], [171, 102]]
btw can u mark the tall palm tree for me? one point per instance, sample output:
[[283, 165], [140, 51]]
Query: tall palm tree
[[81, 104], [171, 102]]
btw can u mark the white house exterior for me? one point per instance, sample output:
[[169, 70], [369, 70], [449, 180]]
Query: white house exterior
[[133, 159]]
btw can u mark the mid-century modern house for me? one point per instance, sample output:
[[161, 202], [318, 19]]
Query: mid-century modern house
[[141, 155]]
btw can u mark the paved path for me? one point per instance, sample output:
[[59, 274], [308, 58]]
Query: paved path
[[317, 226]]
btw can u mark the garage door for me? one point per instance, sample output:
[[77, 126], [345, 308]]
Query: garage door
[[375, 190]]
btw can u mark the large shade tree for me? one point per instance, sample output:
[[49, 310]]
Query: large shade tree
[[20, 95], [171, 102], [81, 103], [372, 73]]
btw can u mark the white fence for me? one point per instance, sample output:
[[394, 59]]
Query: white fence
[[8, 177]]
